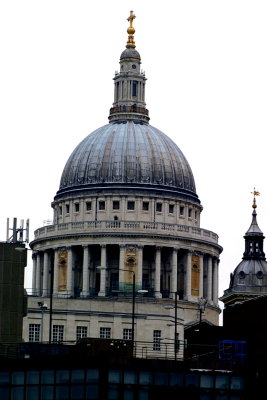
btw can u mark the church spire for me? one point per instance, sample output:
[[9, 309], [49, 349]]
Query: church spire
[[129, 84]]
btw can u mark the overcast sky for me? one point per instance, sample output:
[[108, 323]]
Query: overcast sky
[[206, 64]]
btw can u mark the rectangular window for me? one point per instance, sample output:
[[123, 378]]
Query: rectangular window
[[190, 213], [145, 205], [101, 205], [105, 333], [130, 205], [34, 332], [60, 210], [81, 332], [88, 206], [134, 88], [116, 205], [171, 208], [156, 340], [159, 207], [58, 333], [67, 208], [127, 334], [77, 207], [182, 210]]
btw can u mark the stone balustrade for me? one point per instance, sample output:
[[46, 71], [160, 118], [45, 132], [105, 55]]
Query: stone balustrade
[[124, 226]]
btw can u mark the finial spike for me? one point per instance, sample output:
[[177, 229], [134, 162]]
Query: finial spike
[[255, 193], [131, 30]]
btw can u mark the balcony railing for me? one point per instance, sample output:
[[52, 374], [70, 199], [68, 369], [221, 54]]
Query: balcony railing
[[109, 226]]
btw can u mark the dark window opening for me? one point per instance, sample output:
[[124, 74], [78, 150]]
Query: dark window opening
[[67, 208], [88, 206], [145, 205], [77, 207], [134, 88], [171, 208], [101, 205], [130, 205], [116, 205], [181, 210], [159, 207]]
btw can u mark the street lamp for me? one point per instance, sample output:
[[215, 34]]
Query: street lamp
[[43, 307], [175, 324]]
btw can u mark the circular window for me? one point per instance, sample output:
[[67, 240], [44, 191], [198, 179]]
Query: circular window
[[133, 66], [242, 274], [259, 274]]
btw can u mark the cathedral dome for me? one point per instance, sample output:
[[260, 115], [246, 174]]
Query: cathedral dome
[[128, 155]]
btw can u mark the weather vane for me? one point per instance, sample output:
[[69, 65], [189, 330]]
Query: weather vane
[[255, 193]]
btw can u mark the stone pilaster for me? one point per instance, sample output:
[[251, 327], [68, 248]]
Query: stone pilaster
[[188, 281], [70, 283], [139, 279], [157, 272], [215, 283], [201, 275], [103, 271], [173, 272], [45, 274], [86, 262], [209, 280]]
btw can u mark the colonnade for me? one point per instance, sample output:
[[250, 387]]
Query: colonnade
[[198, 272]]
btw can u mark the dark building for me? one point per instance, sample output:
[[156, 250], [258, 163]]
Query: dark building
[[12, 297]]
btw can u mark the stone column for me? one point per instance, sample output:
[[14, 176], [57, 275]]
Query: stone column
[[34, 259], [70, 283], [201, 275], [209, 280], [121, 267], [215, 281], [38, 274], [55, 267], [103, 271], [157, 272], [173, 272], [45, 274], [188, 282], [86, 262], [139, 280]]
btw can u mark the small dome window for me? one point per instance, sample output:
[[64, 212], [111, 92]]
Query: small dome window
[[133, 66], [242, 275], [259, 274]]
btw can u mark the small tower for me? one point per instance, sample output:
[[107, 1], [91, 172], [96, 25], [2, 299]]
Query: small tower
[[129, 84], [249, 279]]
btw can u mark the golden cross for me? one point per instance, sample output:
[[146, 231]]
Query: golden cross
[[131, 18]]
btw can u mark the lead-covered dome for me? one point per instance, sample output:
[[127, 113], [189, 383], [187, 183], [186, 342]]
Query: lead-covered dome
[[128, 155]]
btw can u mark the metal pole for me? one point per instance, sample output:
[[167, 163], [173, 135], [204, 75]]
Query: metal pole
[[175, 327], [133, 310]]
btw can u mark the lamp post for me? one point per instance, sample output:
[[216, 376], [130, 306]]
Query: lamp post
[[43, 307]]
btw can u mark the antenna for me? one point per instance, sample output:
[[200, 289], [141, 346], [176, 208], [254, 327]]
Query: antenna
[[19, 235]]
